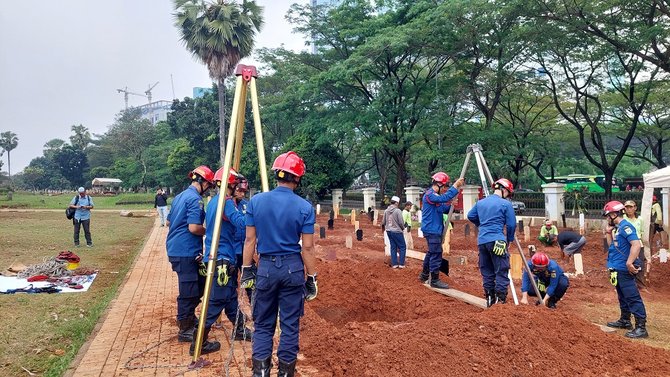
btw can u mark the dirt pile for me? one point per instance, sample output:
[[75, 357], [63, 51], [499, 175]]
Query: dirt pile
[[371, 320]]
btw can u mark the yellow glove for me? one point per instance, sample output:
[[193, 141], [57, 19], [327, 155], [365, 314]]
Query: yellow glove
[[500, 248], [222, 275]]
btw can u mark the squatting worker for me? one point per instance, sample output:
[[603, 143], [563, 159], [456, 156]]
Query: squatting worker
[[223, 296], [491, 215], [184, 247], [393, 224], [548, 233], [434, 206], [570, 242], [276, 221], [82, 216], [549, 277], [623, 264]]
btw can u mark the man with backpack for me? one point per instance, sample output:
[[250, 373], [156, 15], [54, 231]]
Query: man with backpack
[[83, 204]]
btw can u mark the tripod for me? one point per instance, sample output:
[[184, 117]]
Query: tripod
[[487, 182], [246, 78]]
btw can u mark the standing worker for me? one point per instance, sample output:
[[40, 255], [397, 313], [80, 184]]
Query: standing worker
[[160, 203], [657, 219], [393, 224], [276, 222], [434, 206], [548, 234], [623, 265], [491, 215], [549, 277], [184, 247], [407, 218], [82, 216], [631, 216], [224, 289]]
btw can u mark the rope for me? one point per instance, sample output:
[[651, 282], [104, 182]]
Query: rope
[[49, 267]]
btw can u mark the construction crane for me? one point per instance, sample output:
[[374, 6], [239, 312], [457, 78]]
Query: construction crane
[[148, 91], [126, 93]]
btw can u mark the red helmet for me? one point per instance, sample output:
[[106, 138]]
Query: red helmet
[[290, 162], [613, 206], [504, 183], [441, 178], [540, 260], [233, 177], [203, 171]]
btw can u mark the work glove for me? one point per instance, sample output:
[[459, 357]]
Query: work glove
[[312, 287], [248, 279], [500, 248], [202, 269], [222, 276]]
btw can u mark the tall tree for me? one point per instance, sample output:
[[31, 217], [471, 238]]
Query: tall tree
[[219, 33], [80, 137], [9, 141], [132, 136]]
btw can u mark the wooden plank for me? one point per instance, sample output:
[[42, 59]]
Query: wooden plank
[[605, 328], [461, 296], [515, 265], [415, 254]]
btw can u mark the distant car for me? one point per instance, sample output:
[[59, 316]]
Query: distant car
[[524, 190], [518, 206]]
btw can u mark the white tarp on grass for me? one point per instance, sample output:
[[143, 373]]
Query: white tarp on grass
[[14, 282]]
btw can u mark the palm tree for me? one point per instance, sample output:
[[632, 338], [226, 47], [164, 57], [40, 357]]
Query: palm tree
[[9, 141], [219, 33]]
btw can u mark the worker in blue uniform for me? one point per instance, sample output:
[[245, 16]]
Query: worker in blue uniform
[[184, 247], [491, 215], [239, 197], [286, 275], [549, 277], [434, 205], [623, 263], [223, 296]]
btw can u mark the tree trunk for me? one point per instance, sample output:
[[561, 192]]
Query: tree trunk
[[609, 173], [222, 119], [9, 167], [401, 177]]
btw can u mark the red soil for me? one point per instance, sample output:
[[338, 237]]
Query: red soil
[[371, 320]]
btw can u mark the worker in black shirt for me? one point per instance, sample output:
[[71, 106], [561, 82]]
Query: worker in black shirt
[[570, 242], [160, 203]]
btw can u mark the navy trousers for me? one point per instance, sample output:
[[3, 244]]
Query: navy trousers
[[493, 268], [280, 289], [191, 286], [630, 300], [223, 299], [398, 248], [433, 258]]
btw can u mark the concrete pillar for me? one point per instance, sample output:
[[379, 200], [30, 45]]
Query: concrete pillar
[[337, 197], [665, 195], [413, 195], [470, 196], [553, 200], [369, 198]]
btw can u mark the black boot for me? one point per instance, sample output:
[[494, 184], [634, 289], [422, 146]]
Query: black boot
[[501, 297], [261, 368], [207, 346], [622, 323], [490, 297], [186, 330], [286, 369], [640, 330], [435, 281], [241, 332], [423, 276]]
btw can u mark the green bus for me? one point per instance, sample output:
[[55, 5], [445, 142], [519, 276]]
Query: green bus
[[588, 182]]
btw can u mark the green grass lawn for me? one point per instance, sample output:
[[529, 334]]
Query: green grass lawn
[[30, 200], [42, 332]]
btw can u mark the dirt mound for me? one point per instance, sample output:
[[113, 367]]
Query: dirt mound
[[370, 320]]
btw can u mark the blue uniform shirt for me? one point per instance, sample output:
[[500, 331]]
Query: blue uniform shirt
[[619, 249], [280, 217], [241, 233], [82, 213], [232, 221], [490, 215], [187, 208], [432, 209], [549, 277]]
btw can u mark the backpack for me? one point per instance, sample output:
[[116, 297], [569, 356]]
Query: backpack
[[69, 212]]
